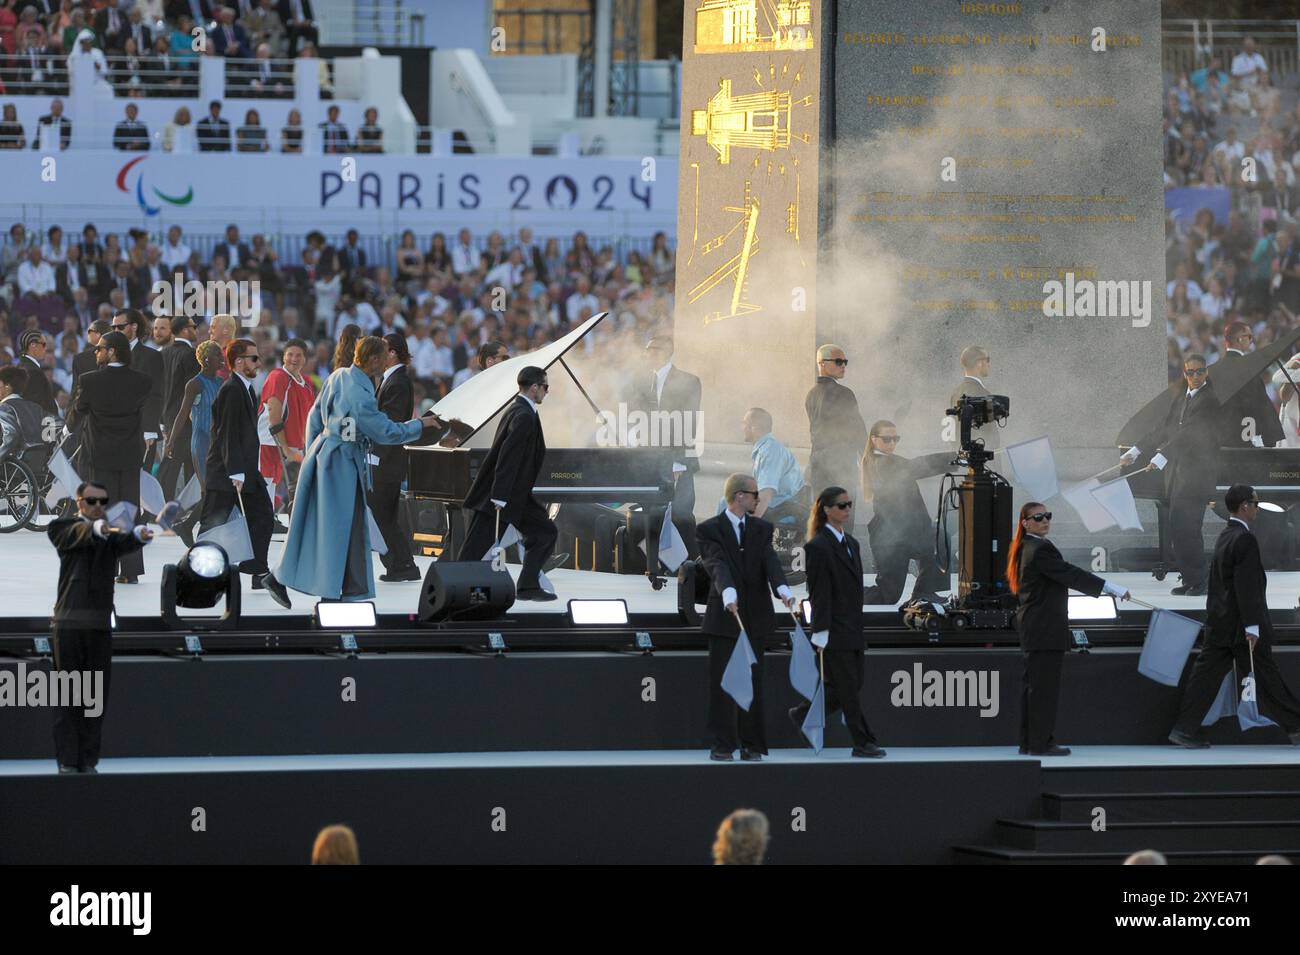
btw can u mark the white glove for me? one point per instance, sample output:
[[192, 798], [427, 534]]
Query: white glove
[[1114, 590], [1160, 461], [1131, 455], [820, 639]]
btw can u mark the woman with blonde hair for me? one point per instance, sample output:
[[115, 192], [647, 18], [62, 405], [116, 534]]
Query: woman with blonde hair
[[742, 839], [335, 845], [345, 350], [178, 135]]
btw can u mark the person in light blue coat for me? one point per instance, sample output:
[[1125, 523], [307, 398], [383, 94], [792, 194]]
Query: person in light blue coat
[[327, 552]]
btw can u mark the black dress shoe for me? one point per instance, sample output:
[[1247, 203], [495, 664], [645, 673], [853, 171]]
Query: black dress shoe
[[540, 595], [870, 751], [1294, 738], [751, 756], [1199, 590], [128, 580], [555, 560], [89, 770], [1187, 741], [259, 582], [279, 528], [1052, 750], [277, 591], [719, 756], [398, 576], [67, 770], [1024, 751]]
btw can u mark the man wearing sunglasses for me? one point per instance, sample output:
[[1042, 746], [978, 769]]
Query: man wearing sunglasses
[[1248, 416], [233, 481], [109, 410], [130, 322], [838, 432], [502, 492], [1185, 446], [1238, 629], [89, 549], [975, 367]]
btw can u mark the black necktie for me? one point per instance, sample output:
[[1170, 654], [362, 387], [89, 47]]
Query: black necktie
[[740, 531], [844, 542], [1187, 401]]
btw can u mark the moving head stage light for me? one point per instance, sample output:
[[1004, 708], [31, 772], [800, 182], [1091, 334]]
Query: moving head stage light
[[202, 577]]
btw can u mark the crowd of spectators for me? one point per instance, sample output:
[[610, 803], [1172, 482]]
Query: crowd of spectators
[[1232, 137], [447, 299]]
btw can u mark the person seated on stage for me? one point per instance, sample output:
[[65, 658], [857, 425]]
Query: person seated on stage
[[1248, 416], [502, 492], [1238, 628], [333, 479], [20, 422], [1185, 447], [900, 529], [782, 494]]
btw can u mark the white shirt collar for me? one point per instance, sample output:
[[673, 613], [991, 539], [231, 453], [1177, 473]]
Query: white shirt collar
[[530, 402], [115, 364], [735, 521], [1035, 536], [839, 534], [1236, 351], [980, 381], [388, 371], [1239, 521], [1191, 392]]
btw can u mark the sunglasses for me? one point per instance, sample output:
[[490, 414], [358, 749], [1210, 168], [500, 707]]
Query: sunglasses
[[1044, 516], [1195, 372], [888, 438], [251, 356], [101, 348], [118, 328], [843, 505], [92, 501], [755, 493], [835, 361]]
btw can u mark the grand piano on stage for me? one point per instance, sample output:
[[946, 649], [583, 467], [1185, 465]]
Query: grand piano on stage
[[1273, 472], [445, 472]]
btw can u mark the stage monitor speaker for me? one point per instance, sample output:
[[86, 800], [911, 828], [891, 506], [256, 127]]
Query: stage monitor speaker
[[464, 590]]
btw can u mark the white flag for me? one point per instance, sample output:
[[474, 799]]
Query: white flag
[[232, 537], [1095, 517], [152, 498], [377, 542], [1034, 467], [62, 468], [672, 549], [1117, 498], [191, 493]]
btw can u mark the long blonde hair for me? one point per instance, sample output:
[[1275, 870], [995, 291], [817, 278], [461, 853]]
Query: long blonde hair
[[742, 838], [867, 463]]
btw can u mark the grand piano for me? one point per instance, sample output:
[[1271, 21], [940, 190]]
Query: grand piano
[[1273, 472], [613, 475]]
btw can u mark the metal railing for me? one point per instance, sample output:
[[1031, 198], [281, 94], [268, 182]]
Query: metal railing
[[144, 76], [1186, 43], [382, 23]]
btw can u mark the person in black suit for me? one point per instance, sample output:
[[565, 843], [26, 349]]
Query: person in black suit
[[350, 258], [675, 394], [236, 251], [179, 366], [299, 23], [200, 11], [744, 571], [38, 388], [835, 424], [1249, 419], [1041, 580], [70, 275], [334, 135], [229, 38], [232, 465], [109, 410], [84, 360], [213, 134], [502, 492], [54, 117], [834, 566], [1186, 448], [111, 26], [901, 529], [131, 135], [397, 400], [130, 322], [975, 365], [80, 634], [1237, 629]]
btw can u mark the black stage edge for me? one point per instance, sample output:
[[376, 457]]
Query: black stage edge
[[430, 703], [846, 811]]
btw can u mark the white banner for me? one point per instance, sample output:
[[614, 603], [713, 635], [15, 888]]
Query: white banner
[[166, 184]]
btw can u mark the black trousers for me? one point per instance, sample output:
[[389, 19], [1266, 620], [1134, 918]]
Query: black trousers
[[1276, 701], [124, 485], [891, 572], [684, 513], [539, 535], [845, 673], [76, 735], [731, 727], [218, 505], [385, 499], [1186, 517], [1039, 698]]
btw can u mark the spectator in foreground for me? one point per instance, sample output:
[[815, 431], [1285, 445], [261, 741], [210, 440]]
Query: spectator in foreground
[[742, 839], [335, 845], [1146, 857]]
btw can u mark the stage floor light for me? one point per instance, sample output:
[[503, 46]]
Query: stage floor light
[[605, 612], [202, 577], [1083, 607], [345, 614]]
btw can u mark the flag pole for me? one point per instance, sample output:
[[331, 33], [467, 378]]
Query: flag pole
[[821, 665], [240, 495], [1141, 603]]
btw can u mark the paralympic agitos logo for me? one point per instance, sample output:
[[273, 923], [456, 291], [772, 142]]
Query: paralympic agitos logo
[[122, 186]]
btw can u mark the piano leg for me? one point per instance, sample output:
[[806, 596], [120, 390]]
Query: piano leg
[[651, 562]]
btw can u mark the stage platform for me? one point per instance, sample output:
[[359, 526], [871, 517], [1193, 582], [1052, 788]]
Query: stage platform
[[32, 570], [618, 807]]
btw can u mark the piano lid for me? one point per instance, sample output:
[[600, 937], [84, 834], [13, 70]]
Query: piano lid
[[478, 400]]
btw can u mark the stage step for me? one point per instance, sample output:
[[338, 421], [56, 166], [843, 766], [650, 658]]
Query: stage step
[[996, 855], [1165, 806], [1195, 777], [1049, 836]]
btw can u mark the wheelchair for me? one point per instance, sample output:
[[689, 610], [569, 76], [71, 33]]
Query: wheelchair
[[18, 494]]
